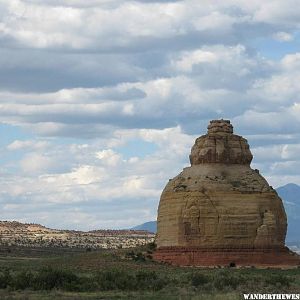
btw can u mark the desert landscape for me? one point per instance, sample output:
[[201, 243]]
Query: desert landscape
[[65, 274], [35, 235], [201, 249], [149, 149]]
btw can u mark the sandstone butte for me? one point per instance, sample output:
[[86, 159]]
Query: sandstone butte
[[219, 211]]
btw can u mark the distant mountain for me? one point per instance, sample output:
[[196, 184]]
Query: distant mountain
[[290, 195], [149, 226]]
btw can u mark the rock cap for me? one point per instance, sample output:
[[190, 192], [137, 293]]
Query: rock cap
[[220, 145], [220, 126]]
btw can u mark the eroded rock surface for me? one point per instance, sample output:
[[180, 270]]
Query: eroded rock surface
[[220, 145], [220, 203]]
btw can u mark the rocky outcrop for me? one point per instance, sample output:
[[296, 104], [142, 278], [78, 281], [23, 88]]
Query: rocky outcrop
[[18, 234], [220, 145], [221, 205]]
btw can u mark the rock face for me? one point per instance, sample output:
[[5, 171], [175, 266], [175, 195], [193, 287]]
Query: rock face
[[219, 210], [220, 145]]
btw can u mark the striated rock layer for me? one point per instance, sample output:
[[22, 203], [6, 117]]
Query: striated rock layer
[[220, 211]]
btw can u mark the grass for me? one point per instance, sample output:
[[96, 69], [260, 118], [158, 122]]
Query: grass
[[128, 274], [183, 295]]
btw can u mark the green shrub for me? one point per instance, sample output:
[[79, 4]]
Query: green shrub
[[226, 280], [140, 257], [136, 256], [5, 279], [22, 280], [115, 279], [198, 279], [86, 284], [149, 280], [151, 247], [122, 280], [49, 278], [278, 280]]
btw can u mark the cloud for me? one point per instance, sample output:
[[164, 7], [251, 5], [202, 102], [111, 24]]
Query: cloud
[[274, 12], [21, 145], [35, 163], [283, 36], [135, 25], [105, 98], [108, 157], [199, 87], [95, 181], [123, 41]]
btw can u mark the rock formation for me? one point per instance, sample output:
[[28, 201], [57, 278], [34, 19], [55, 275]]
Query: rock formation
[[219, 211]]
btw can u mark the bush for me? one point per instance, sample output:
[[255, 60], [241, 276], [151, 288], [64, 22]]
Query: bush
[[49, 278], [198, 279], [278, 280], [5, 279], [114, 279], [149, 280], [151, 247], [45, 279], [121, 280], [139, 256], [225, 280], [22, 280]]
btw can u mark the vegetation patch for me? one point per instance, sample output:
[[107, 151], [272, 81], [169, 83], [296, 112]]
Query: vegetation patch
[[129, 274]]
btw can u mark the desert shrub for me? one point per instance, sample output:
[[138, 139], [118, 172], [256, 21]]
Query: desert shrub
[[139, 257], [86, 284], [123, 280], [21, 280], [49, 278], [115, 279], [5, 279], [278, 280], [136, 256], [198, 279], [149, 280], [46, 279], [226, 280], [151, 247]]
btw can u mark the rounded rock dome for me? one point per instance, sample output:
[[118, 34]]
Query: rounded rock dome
[[219, 205]]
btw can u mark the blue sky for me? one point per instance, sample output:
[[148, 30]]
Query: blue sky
[[101, 100]]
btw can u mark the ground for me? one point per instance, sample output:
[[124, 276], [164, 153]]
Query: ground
[[57, 273]]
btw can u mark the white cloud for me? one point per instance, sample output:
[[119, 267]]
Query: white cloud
[[42, 25], [283, 36], [109, 157], [33, 145], [100, 175], [86, 79], [86, 175], [277, 12], [279, 152], [188, 59], [34, 163]]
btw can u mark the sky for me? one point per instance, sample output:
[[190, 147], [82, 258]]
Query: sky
[[101, 100]]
